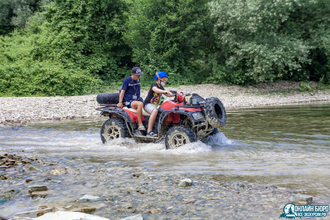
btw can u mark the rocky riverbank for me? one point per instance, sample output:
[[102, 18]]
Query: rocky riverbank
[[116, 191], [22, 110]]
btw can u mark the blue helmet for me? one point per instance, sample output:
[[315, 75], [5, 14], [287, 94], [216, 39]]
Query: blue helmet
[[160, 75]]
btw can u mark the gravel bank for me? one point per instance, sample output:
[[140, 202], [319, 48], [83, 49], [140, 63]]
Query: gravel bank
[[22, 110], [117, 191]]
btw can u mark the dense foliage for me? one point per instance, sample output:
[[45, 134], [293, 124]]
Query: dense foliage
[[274, 39], [22, 75], [76, 50], [73, 47], [84, 34], [15, 13], [171, 35]]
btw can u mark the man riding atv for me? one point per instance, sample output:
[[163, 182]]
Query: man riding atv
[[182, 120], [130, 92]]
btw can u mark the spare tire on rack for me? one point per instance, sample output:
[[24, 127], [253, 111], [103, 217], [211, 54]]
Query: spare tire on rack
[[107, 98], [215, 112]]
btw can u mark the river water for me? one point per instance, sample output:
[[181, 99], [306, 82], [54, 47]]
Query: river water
[[285, 146]]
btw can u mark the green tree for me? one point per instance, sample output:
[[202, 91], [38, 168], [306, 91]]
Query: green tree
[[21, 75], [310, 21], [84, 34], [175, 36], [15, 13], [251, 30], [73, 48]]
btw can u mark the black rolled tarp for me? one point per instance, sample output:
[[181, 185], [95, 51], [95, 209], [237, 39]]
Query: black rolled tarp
[[108, 98]]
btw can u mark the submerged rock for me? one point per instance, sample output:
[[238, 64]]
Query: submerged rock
[[134, 217], [37, 188], [44, 209], [88, 198], [41, 194], [62, 215], [58, 171], [38, 191], [301, 198], [185, 182], [88, 210]]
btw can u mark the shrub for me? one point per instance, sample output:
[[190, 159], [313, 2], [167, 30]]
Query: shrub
[[21, 75]]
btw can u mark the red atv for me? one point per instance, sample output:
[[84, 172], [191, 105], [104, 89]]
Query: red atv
[[185, 119]]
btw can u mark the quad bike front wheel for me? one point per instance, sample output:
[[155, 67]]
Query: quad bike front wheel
[[113, 128], [179, 136]]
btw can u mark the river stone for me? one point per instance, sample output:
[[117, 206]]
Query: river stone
[[89, 198], [88, 210], [4, 177], [134, 217], [44, 209], [28, 180], [62, 215], [41, 194], [3, 167], [154, 211], [301, 198], [58, 171], [185, 182], [32, 168], [37, 188]]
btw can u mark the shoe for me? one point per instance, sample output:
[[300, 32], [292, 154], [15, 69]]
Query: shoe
[[151, 134], [141, 128]]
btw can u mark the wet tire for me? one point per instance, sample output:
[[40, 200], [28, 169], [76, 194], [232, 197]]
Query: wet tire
[[107, 98], [215, 112], [179, 136], [113, 128]]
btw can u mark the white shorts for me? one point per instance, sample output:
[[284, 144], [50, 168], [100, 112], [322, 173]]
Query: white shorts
[[150, 107]]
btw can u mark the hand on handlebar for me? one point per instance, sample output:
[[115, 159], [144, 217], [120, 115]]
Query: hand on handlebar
[[120, 105], [169, 94]]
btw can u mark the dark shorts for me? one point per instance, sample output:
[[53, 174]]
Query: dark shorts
[[129, 103]]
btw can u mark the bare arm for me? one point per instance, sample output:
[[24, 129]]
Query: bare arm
[[121, 97], [167, 93]]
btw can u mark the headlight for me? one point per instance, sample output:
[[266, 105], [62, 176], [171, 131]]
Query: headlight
[[198, 116]]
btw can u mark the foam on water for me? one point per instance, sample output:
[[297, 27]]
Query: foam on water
[[205, 146], [218, 139], [64, 141], [192, 148]]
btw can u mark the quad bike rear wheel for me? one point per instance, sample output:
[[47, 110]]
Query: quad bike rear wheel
[[179, 136], [215, 112], [113, 128]]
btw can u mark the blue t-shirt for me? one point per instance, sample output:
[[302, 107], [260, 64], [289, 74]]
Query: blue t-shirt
[[131, 87]]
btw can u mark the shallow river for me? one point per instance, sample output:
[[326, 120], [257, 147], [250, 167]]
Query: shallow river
[[286, 146]]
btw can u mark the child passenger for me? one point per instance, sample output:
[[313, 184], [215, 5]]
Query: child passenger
[[153, 98]]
